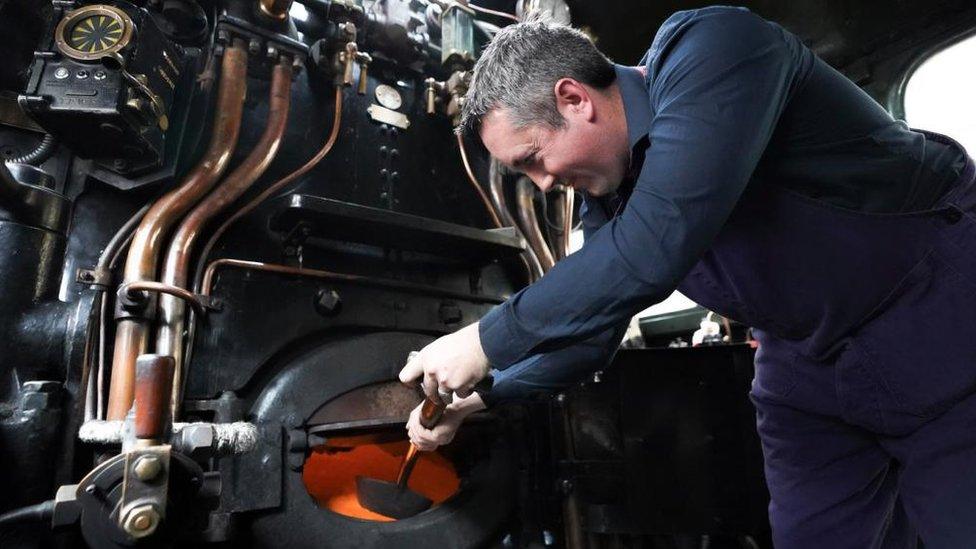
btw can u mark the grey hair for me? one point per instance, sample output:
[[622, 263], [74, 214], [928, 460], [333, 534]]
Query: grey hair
[[519, 68]]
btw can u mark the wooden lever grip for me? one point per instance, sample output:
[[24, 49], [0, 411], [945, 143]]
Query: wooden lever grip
[[154, 378], [432, 411]]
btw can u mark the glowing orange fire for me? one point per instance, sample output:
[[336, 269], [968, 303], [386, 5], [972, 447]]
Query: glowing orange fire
[[330, 475]]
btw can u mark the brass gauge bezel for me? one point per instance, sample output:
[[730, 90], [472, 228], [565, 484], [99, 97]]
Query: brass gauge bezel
[[68, 24]]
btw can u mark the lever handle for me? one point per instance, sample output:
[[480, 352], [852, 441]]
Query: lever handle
[[348, 59], [364, 60], [154, 379]]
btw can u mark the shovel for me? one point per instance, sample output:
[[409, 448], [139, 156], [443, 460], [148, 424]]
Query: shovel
[[394, 499]]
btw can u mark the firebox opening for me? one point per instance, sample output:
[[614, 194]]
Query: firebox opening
[[330, 475]]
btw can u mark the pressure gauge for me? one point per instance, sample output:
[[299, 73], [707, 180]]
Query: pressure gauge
[[93, 32]]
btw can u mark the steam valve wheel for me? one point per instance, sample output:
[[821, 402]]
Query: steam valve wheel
[[93, 32]]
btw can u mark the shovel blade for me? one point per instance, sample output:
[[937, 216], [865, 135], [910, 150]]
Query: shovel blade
[[389, 499]]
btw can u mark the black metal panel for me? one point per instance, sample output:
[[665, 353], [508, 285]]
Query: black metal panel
[[665, 443], [336, 220], [264, 313]]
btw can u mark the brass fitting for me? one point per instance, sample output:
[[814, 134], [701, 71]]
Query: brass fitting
[[147, 468], [275, 9], [141, 521]]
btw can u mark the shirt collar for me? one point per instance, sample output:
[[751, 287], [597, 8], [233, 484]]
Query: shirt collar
[[637, 103]]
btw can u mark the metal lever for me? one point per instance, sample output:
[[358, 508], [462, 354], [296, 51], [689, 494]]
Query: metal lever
[[348, 57], [154, 377], [364, 60]]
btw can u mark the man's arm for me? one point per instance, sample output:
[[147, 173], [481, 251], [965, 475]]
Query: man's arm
[[718, 92], [538, 374], [556, 370]]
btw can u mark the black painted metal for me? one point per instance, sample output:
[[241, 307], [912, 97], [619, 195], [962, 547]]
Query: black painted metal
[[300, 384], [335, 220], [679, 455], [26, 196], [282, 346]]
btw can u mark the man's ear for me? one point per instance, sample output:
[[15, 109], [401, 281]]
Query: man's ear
[[573, 100]]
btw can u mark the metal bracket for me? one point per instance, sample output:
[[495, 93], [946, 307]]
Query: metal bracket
[[300, 442], [294, 243], [96, 278], [144, 490]]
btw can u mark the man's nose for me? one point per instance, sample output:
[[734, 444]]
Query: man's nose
[[543, 180]]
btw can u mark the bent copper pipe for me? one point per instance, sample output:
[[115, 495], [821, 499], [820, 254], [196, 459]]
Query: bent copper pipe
[[525, 192], [277, 185], [563, 206], [477, 186], [169, 335], [557, 227], [255, 202], [132, 289], [132, 335], [497, 188]]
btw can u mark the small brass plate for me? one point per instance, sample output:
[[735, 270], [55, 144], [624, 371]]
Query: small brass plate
[[386, 116]]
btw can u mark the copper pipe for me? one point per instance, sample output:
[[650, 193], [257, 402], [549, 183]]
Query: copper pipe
[[169, 335], [171, 292], [563, 205], [277, 185], [476, 185], [132, 335], [557, 227], [497, 13], [496, 184], [530, 222], [207, 284]]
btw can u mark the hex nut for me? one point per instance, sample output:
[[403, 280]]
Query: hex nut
[[147, 468], [141, 521], [197, 441]]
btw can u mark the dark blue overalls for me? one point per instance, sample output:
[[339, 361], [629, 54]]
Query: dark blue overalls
[[866, 368]]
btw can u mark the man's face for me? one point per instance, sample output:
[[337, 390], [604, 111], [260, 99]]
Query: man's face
[[581, 154]]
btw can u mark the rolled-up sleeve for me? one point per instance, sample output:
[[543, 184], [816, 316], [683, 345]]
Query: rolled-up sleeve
[[719, 85]]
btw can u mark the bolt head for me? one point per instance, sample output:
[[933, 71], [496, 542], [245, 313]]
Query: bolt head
[[141, 521], [197, 441], [328, 302], [147, 468]]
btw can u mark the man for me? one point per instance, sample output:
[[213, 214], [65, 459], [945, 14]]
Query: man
[[736, 166]]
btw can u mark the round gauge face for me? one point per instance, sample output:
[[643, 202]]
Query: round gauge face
[[93, 32]]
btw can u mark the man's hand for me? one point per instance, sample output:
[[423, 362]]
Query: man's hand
[[453, 363], [443, 433]]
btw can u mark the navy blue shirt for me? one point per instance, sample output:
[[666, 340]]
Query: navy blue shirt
[[728, 99]]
